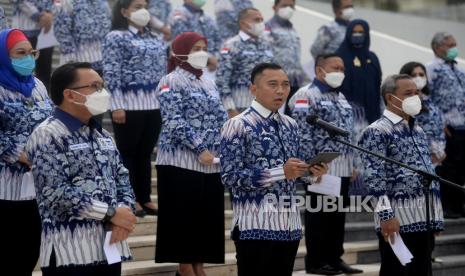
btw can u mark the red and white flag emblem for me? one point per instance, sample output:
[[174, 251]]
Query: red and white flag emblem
[[303, 103], [165, 88]]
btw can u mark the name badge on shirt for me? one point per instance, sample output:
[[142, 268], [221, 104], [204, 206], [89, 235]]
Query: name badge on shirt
[[345, 104], [248, 53], [137, 43], [79, 146], [326, 103], [106, 143]]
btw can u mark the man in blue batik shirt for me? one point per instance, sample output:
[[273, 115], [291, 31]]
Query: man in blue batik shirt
[[80, 28], [82, 187], [238, 56], [324, 235], [226, 12], [331, 35], [447, 85], [260, 162], [190, 17], [398, 195], [285, 42]]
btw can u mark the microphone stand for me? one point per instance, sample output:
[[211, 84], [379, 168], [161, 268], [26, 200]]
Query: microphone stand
[[426, 181]]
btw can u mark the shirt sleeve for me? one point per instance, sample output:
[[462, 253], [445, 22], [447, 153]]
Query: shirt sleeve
[[11, 142], [63, 28], [321, 42], [223, 77], [374, 174], [234, 172], [112, 64]]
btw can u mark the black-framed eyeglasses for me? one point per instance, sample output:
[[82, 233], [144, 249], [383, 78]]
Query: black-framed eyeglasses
[[97, 86]]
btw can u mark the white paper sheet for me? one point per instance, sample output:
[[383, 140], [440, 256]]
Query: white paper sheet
[[329, 185], [111, 250], [27, 186], [46, 40], [400, 249], [216, 160]]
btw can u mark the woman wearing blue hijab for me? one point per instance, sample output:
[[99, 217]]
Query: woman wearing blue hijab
[[362, 81], [23, 105]]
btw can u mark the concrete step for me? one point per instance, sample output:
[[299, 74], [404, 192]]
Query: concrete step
[[143, 247], [452, 265]]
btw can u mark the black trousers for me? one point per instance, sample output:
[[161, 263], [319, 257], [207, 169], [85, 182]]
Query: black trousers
[[190, 227], [85, 270], [256, 257], [453, 169], [324, 231], [20, 232], [135, 140], [421, 262], [43, 63]]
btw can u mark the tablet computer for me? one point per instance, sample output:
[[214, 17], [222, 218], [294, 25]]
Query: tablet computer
[[323, 157]]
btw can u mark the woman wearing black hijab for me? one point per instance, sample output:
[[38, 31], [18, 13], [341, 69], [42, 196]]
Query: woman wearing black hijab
[[362, 81]]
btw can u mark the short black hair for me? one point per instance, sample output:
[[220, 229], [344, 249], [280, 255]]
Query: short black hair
[[336, 4], [243, 14], [258, 69], [408, 70], [63, 77], [320, 60], [276, 2], [118, 21]]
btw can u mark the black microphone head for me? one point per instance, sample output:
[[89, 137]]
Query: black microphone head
[[311, 119]]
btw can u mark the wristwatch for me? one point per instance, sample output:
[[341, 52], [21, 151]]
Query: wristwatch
[[111, 211]]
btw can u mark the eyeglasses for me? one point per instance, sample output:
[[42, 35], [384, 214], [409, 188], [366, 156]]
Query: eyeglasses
[[34, 53], [97, 86]]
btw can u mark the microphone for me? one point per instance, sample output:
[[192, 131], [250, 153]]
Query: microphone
[[332, 129]]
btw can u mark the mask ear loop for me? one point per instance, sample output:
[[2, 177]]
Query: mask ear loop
[[177, 57]]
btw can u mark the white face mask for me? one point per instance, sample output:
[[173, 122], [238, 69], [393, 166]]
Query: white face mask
[[348, 14], [198, 60], [411, 105], [257, 29], [141, 17], [334, 79], [420, 82], [286, 13], [97, 102]]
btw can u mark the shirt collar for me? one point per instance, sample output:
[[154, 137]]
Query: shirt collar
[[322, 86], [282, 22], [71, 122], [341, 22], [244, 36], [193, 9], [391, 116], [260, 109], [186, 73], [133, 29]]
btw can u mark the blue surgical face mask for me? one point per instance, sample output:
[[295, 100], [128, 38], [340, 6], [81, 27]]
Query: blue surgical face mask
[[358, 39], [24, 66]]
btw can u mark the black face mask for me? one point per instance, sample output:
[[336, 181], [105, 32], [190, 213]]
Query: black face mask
[[358, 39]]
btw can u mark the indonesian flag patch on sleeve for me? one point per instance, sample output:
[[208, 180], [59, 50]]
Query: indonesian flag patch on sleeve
[[302, 103], [224, 50], [165, 88]]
